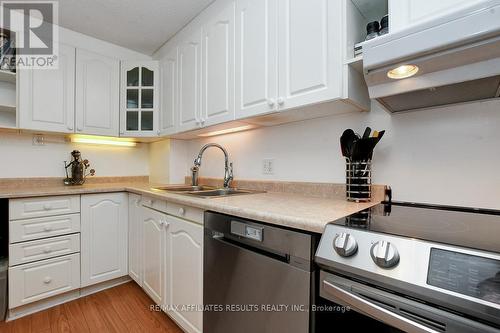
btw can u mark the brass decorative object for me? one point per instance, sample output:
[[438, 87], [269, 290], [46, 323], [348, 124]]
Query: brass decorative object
[[78, 168]]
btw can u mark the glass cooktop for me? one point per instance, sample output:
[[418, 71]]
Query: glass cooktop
[[463, 227]]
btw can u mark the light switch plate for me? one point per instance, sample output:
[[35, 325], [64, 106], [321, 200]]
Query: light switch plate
[[268, 166]]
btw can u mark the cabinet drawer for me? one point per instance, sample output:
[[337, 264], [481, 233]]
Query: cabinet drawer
[[185, 212], [22, 253], [43, 227], [44, 206], [156, 204], [35, 281]]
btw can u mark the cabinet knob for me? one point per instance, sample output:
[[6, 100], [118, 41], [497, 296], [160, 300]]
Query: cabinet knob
[[182, 211], [47, 280], [70, 127], [270, 102], [47, 228], [47, 250], [47, 207], [281, 101], [158, 132]]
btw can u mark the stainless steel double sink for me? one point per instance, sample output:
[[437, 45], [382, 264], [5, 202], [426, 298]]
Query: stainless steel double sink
[[202, 191]]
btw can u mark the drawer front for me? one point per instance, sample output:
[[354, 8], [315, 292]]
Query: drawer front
[[43, 227], [44, 206], [156, 204], [186, 212], [32, 282], [22, 253]]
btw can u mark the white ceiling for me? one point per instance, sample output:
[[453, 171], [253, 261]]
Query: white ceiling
[[141, 25]]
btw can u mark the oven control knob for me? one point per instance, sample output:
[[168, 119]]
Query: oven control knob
[[384, 254], [345, 245]]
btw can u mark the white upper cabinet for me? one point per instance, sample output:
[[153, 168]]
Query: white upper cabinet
[[104, 237], [403, 13], [97, 94], [47, 97], [218, 67], [184, 272], [310, 52], [189, 81], [139, 102], [169, 88], [256, 57]]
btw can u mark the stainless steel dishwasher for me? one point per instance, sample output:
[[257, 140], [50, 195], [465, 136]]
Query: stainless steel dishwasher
[[257, 277]]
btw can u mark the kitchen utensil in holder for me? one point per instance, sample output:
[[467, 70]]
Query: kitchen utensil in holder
[[358, 180]]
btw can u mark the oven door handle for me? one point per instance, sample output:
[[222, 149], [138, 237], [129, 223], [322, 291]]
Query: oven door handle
[[375, 311]]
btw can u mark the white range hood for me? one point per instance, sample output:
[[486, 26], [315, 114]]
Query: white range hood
[[457, 56]]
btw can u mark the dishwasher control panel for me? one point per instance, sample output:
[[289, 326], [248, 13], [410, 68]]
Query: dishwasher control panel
[[246, 230]]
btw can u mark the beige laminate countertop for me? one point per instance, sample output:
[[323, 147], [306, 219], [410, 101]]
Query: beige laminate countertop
[[285, 209]]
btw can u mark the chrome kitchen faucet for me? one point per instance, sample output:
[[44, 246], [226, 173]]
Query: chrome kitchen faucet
[[228, 167]]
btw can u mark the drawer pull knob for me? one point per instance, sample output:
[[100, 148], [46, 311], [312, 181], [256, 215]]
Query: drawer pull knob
[[47, 207], [47, 228], [47, 250], [47, 280], [182, 211]]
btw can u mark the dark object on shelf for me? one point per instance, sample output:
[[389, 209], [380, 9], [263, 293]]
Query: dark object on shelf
[[372, 30], [384, 25], [78, 169], [7, 51]]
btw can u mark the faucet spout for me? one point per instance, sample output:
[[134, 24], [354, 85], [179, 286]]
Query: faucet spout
[[228, 167]]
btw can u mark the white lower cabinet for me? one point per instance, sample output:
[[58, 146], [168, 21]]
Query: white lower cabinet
[[104, 237], [153, 254], [184, 273], [42, 279], [135, 237]]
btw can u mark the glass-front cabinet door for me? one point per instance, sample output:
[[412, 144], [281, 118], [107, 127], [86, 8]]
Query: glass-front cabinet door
[[139, 98]]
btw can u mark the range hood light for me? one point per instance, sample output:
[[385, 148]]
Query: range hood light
[[402, 72]]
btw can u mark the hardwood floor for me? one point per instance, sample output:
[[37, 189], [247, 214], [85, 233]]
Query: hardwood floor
[[124, 308]]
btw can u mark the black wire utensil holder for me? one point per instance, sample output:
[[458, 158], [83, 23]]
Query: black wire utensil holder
[[358, 180]]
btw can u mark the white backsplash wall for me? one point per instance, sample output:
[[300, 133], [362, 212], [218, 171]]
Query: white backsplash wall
[[444, 156], [20, 158]]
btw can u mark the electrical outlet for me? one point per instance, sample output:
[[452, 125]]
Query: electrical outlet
[[38, 140], [268, 166]]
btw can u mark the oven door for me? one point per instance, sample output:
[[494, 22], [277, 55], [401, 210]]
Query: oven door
[[397, 311]]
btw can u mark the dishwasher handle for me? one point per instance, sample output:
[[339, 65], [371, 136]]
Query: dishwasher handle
[[374, 310]]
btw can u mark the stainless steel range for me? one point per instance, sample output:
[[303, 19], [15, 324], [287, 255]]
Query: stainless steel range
[[416, 268]]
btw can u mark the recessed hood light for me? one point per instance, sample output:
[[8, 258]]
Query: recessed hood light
[[402, 72]]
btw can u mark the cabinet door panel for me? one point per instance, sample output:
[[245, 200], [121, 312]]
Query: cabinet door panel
[[47, 97], [408, 12], [104, 233], [153, 254], [168, 67], [256, 57], [139, 100], [185, 272], [189, 82], [218, 68], [135, 238], [97, 94], [310, 53]]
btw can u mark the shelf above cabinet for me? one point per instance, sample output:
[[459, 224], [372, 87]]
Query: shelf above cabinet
[[356, 63], [6, 76]]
